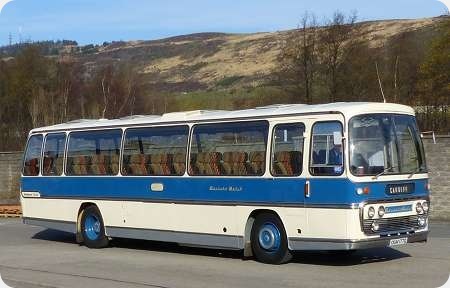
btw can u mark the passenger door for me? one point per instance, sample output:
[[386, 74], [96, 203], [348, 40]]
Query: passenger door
[[288, 173], [326, 185]]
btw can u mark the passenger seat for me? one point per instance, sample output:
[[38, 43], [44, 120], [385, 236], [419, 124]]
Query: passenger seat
[[159, 164], [287, 163], [179, 163], [113, 164], [31, 167], [137, 165], [234, 163], [208, 163], [48, 166], [257, 160], [98, 165], [79, 165]]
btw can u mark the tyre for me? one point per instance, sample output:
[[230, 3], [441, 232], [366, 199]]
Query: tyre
[[269, 240], [93, 229]]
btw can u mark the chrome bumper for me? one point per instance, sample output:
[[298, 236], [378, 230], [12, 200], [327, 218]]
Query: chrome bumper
[[339, 244]]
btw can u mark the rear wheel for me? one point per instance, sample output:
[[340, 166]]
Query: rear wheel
[[93, 229], [269, 241]]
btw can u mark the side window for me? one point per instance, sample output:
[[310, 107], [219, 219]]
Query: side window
[[409, 158], [33, 156], [93, 153], [229, 149], [326, 152], [54, 154], [155, 151], [287, 149]]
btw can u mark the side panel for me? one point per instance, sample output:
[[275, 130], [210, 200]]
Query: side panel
[[142, 215], [327, 223], [238, 190], [197, 224], [61, 210]]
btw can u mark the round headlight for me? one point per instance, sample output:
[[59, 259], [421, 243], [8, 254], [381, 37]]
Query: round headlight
[[419, 208], [371, 212], [422, 221], [375, 226], [359, 191], [381, 211], [425, 206]]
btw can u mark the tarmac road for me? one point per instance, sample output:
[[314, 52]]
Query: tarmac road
[[32, 257]]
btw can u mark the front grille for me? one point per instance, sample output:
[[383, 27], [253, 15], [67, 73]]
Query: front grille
[[405, 223]]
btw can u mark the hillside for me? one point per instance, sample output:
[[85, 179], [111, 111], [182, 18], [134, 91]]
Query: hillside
[[206, 61], [215, 60]]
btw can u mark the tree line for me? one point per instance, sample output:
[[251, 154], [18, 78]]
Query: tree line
[[37, 91], [334, 61]]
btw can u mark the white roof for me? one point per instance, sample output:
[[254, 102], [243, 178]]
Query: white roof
[[348, 109]]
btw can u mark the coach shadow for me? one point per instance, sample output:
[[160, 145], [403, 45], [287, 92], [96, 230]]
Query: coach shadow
[[322, 258]]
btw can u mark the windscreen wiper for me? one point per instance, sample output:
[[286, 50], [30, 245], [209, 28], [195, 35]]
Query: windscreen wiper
[[418, 169], [383, 172]]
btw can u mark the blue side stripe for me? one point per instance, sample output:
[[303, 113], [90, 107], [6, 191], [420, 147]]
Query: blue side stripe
[[254, 190]]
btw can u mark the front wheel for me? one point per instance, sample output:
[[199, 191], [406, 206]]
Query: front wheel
[[92, 228], [269, 240]]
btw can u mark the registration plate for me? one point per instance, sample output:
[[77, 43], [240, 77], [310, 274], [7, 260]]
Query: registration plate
[[398, 209], [399, 241]]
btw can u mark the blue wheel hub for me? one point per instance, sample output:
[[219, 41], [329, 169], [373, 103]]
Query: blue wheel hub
[[92, 227], [269, 237]]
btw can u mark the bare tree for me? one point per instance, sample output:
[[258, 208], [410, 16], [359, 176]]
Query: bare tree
[[106, 83], [300, 56], [395, 79], [106, 89], [65, 78], [309, 53], [337, 40], [379, 82], [129, 85], [118, 87]]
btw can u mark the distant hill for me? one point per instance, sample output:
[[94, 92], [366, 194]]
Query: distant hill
[[205, 61]]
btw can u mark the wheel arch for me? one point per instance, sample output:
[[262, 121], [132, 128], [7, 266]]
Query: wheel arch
[[83, 206], [249, 225]]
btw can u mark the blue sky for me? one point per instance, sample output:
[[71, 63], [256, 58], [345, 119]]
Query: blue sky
[[95, 21]]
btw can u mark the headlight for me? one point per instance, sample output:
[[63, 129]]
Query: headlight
[[419, 208], [422, 221], [375, 226], [381, 211], [359, 191], [425, 206], [371, 212]]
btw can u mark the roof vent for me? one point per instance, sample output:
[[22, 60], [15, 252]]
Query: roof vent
[[202, 112], [191, 113], [275, 106], [133, 117], [84, 121]]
